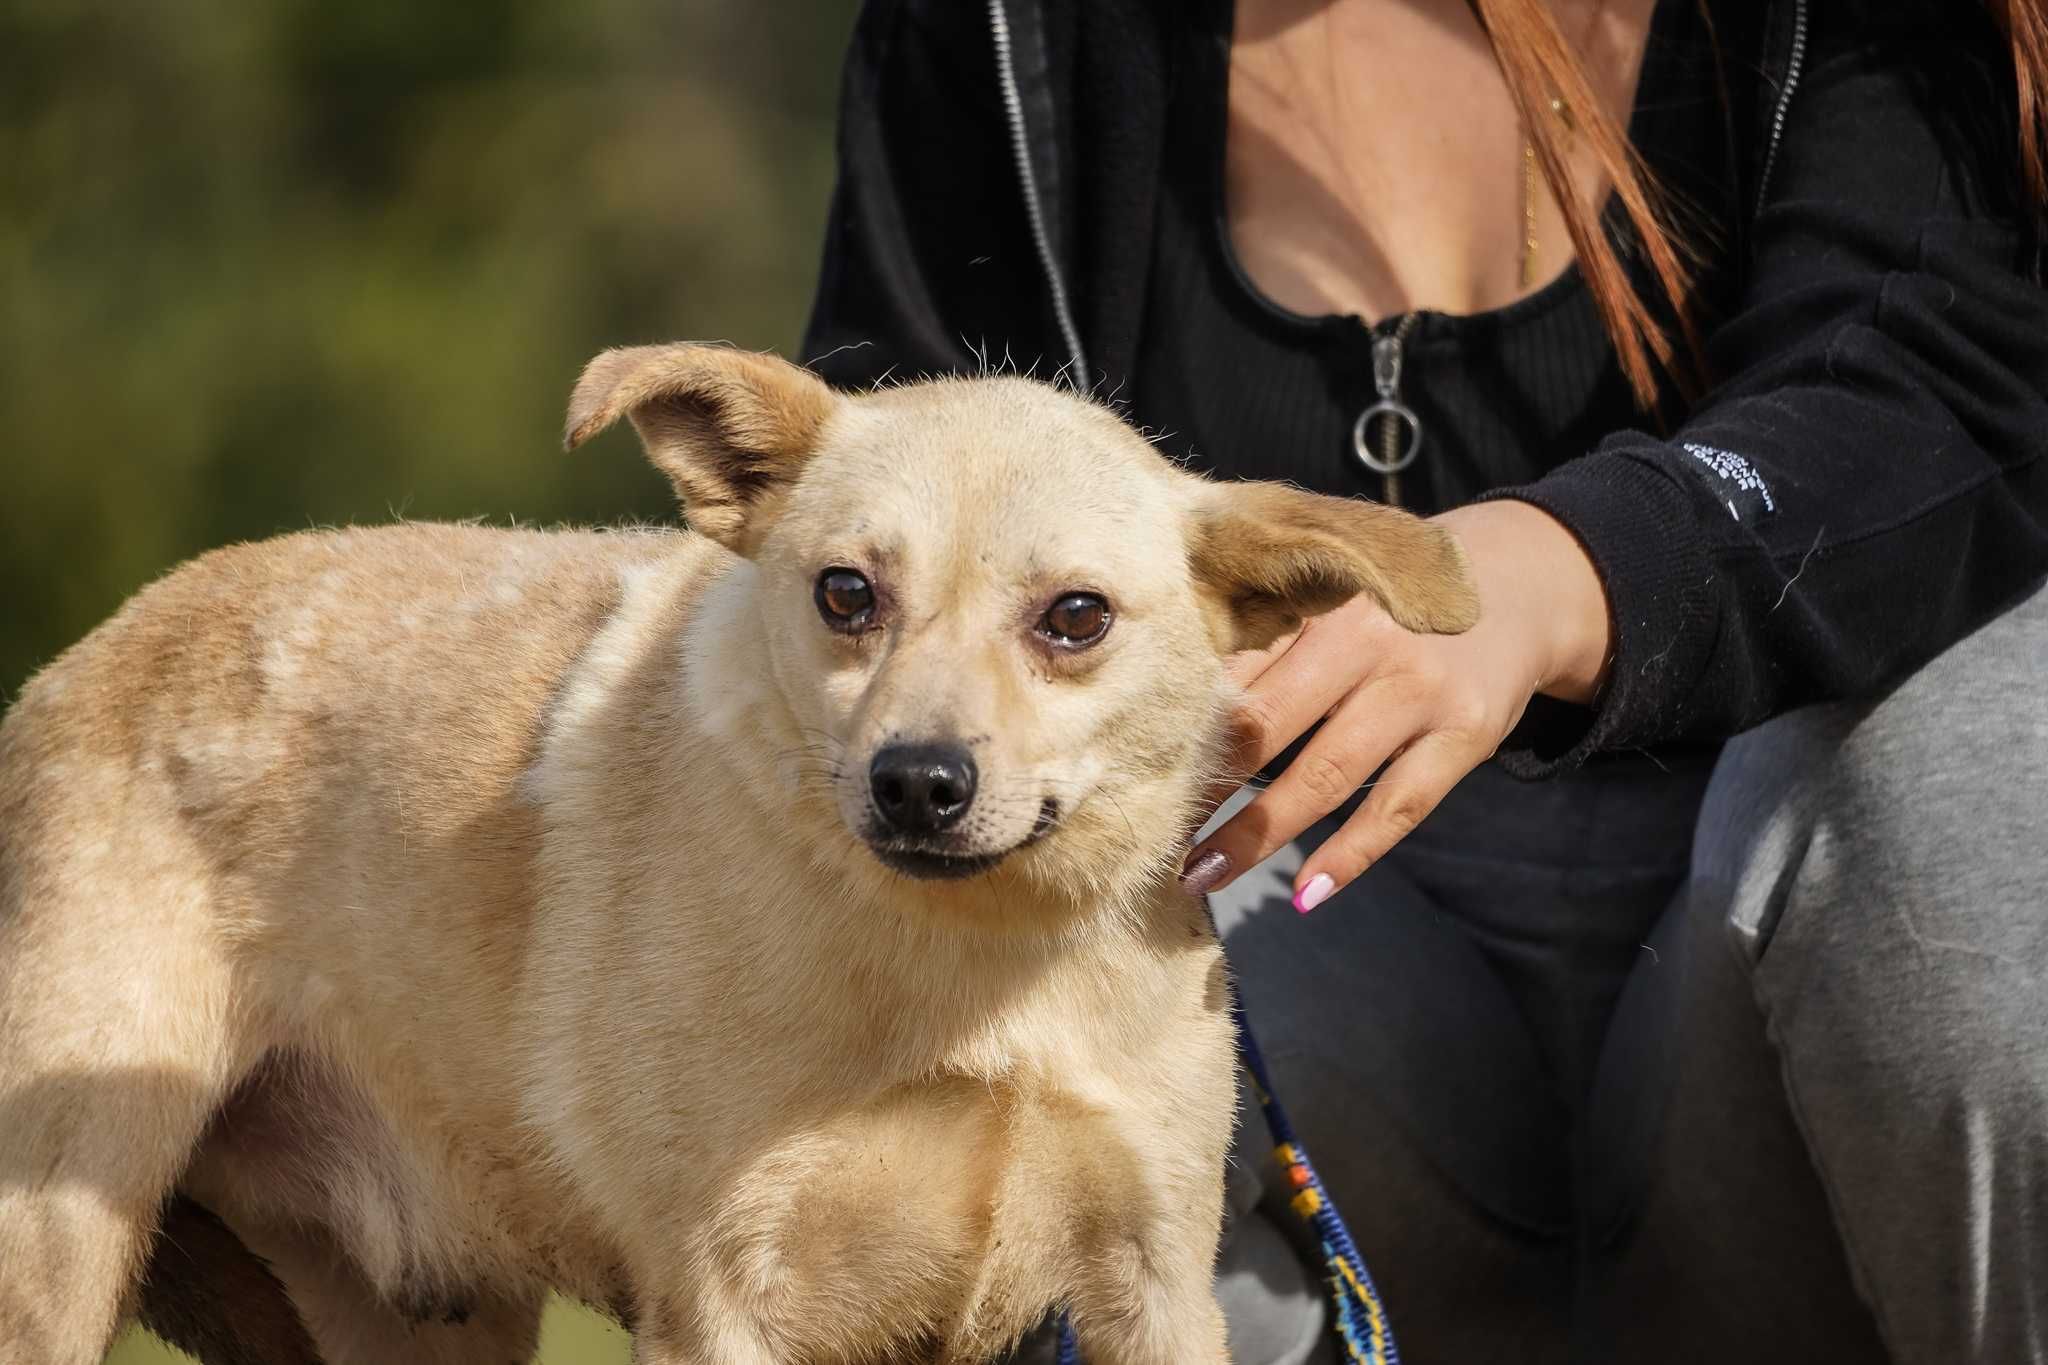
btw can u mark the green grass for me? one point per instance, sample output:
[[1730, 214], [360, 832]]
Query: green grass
[[569, 1335], [265, 266]]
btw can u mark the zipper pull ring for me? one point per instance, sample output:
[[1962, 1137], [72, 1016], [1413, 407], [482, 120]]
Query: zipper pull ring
[[1400, 430]]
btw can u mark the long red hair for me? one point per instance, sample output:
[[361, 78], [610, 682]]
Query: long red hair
[[1539, 66]]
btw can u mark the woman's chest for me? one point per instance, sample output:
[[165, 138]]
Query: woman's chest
[[1376, 163]]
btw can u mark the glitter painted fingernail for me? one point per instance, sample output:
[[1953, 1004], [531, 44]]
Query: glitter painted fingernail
[[1204, 870]]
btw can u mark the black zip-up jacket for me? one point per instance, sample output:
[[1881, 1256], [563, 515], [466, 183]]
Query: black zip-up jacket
[[1862, 485]]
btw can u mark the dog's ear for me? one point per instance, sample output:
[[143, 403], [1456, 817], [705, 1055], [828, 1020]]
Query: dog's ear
[[730, 428], [1275, 554]]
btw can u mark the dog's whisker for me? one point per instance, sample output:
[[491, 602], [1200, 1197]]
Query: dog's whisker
[[1129, 828]]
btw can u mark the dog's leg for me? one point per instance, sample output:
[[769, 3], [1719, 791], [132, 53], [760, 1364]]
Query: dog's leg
[[1154, 1306], [727, 1349], [211, 1297], [353, 1324], [1147, 1296], [706, 1330], [115, 1046]]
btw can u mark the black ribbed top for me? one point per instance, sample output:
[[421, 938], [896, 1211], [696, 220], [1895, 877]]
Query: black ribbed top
[[1243, 388], [1863, 482]]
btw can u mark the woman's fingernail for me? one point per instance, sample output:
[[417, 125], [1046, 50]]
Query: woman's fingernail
[[1314, 892], [1203, 870]]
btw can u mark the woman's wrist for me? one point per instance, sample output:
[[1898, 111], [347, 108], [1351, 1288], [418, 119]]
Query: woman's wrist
[[1531, 564]]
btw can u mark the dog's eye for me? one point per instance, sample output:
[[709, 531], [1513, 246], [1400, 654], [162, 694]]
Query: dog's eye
[[1079, 618], [845, 599]]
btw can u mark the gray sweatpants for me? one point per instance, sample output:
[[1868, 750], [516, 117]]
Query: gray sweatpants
[[1819, 1119]]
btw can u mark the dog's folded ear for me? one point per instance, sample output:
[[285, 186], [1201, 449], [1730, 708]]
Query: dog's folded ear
[[1276, 554], [730, 428]]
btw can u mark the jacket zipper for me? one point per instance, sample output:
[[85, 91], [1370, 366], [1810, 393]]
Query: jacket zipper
[[1793, 66], [1020, 146], [1398, 440], [1390, 455]]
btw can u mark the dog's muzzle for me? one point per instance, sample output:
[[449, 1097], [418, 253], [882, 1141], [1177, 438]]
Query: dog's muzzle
[[920, 796], [922, 789], [920, 793]]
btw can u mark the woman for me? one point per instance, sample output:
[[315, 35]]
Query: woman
[[1762, 439]]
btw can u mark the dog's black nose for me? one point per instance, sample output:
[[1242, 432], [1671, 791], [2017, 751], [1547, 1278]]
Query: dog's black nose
[[922, 788]]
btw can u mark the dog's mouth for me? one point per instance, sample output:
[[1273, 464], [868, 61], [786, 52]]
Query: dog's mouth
[[932, 860], [929, 866]]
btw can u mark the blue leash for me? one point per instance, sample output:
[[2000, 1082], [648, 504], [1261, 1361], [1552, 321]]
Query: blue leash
[[1362, 1322], [1070, 1349]]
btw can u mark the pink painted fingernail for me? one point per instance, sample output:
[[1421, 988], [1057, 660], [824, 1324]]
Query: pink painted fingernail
[[1204, 870], [1314, 892]]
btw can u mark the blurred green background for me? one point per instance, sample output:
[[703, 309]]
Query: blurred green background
[[270, 265], [265, 265]]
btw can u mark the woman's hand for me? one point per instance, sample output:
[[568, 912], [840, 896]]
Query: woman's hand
[[1429, 707]]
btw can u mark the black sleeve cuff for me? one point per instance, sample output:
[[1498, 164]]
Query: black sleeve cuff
[[1641, 530]]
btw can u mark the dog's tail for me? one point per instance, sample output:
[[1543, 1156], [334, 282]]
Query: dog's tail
[[214, 1299]]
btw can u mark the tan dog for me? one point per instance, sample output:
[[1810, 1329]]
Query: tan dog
[[766, 933]]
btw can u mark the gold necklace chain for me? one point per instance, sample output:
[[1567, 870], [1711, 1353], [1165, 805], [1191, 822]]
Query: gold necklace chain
[[1529, 173], [1532, 170], [1532, 186]]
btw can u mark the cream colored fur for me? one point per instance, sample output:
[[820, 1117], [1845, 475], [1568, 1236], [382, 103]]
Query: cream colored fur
[[464, 913]]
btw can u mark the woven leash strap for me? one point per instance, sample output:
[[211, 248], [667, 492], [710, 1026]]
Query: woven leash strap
[[1362, 1323], [1361, 1319]]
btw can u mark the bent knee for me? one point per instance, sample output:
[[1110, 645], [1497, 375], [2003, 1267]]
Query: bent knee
[[1940, 770], [1881, 866], [1920, 805], [1905, 946]]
